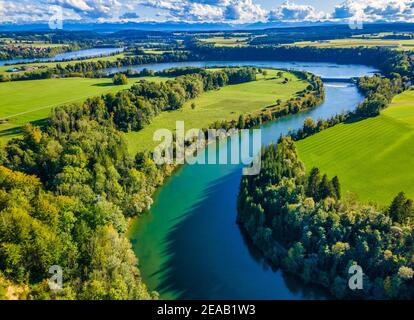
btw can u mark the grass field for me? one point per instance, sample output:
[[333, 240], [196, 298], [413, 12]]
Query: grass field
[[226, 42], [225, 104], [357, 42], [156, 51], [373, 158], [29, 101]]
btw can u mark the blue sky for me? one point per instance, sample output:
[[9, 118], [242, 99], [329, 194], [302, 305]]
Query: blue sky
[[228, 11]]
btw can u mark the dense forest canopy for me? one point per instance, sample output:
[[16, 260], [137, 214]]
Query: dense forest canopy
[[67, 191], [302, 222]]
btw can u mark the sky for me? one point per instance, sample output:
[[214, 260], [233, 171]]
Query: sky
[[327, 5], [216, 11]]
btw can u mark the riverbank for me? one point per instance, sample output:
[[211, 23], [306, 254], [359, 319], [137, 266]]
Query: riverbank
[[217, 253]]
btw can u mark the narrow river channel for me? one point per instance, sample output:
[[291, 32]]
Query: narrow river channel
[[189, 245]]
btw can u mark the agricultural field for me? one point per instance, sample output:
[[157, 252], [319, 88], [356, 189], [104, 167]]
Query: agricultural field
[[156, 51], [360, 42], [226, 41], [28, 101], [228, 103], [373, 158]]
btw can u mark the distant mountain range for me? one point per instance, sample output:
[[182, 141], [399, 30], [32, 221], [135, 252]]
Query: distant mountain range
[[190, 27], [152, 26]]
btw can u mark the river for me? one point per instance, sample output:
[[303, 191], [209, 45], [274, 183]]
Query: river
[[189, 245], [73, 55]]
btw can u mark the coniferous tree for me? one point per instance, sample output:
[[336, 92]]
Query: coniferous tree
[[325, 188], [313, 182], [401, 209], [336, 187]]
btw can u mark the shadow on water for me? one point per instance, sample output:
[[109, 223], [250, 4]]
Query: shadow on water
[[293, 283], [214, 218], [177, 269]]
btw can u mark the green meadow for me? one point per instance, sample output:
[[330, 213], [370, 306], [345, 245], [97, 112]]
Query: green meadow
[[228, 103], [31, 101], [359, 42], [226, 41], [373, 158]]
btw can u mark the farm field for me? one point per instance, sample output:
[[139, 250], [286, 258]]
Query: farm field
[[156, 51], [28, 101], [228, 103], [226, 42], [373, 158], [358, 42]]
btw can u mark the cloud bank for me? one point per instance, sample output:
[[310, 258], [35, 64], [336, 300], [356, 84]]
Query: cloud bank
[[290, 11], [231, 11], [376, 10]]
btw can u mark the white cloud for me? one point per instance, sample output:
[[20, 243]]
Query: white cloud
[[376, 10], [201, 12], [290, 11], [80, 5], [234, 11], [91, 8], [244, 10], [210, 10], [25, 11]]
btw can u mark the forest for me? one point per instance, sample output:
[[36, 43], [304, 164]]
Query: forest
[[302, 223], [68, 190]]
